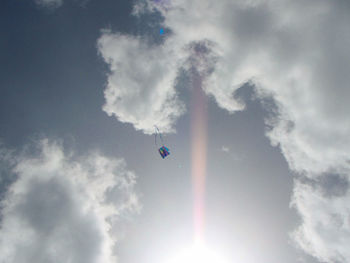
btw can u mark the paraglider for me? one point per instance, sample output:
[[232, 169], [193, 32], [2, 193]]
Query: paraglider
[[163, 150]]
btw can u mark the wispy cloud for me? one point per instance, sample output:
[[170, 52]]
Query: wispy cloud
[[232, 154], [64, 208], [51, 4], [225, 149]]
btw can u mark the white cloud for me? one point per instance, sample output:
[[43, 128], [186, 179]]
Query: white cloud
[[301, 60], [65, 209], [235, 156], [140, 87], [225, 149], [298, 52], [49, 3], [325, 232]]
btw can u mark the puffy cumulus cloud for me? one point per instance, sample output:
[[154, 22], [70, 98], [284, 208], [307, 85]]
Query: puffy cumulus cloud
[[298, 53], [52, 4], [141, 81], [7, 162], [325, 232], [65, 209]]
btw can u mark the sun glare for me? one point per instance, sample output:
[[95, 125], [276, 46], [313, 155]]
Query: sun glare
[[197, 254]]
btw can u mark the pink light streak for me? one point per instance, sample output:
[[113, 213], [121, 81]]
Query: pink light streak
[[199, 119]]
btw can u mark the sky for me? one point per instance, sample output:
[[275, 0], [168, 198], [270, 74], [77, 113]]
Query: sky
[[251, 98]]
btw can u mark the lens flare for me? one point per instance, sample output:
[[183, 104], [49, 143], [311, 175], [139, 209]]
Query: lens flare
[[199, 155], [198, 254]]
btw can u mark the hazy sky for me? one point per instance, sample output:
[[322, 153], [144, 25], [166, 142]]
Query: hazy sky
[[251, 98]]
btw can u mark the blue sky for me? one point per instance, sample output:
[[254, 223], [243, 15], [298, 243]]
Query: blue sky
[[84, 82]]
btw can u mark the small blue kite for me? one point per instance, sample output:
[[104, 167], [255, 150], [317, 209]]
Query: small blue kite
[[164, 151]]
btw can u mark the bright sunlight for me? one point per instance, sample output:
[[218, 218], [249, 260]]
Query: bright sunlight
[[198, 254]]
